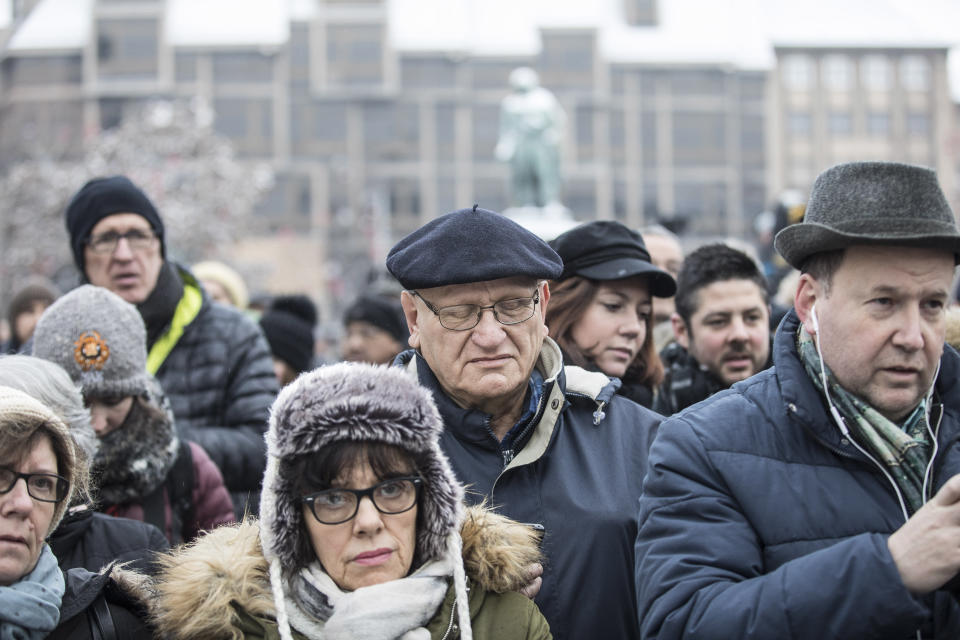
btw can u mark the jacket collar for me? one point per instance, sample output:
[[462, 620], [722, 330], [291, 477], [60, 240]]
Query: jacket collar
[[471, 425]]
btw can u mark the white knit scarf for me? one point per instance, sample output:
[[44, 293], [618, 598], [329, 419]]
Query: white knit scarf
[[401, 608]]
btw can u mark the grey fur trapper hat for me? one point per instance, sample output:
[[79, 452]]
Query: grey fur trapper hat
[[360, 403], [878, 203]]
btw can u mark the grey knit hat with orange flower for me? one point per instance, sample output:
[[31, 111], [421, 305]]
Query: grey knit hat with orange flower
[[98, 338], [21, 413]]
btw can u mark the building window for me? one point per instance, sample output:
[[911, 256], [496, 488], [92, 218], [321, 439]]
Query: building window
[[247, 121], [799, 124], [355, 54], [841, 124], [915, 73], [699, 139], [918, 123], [838, 73], [391, 131], [797, 72], [878, 124], [127, 48], [875, 73], [242, 67]]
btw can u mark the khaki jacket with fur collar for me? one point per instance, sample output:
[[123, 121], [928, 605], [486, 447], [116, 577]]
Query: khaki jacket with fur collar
[[219, 587]]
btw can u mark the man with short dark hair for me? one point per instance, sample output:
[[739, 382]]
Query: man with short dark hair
[[821, 497], [550, 445], [721, 327], [212, 361]]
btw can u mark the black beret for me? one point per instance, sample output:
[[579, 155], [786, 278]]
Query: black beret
[[470, 245], [102, 197]]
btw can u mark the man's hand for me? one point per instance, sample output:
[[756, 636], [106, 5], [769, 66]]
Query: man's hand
[[534, 581], [926, 549]]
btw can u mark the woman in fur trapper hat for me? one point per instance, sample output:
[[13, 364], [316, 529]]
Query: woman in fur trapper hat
[[363, 534]]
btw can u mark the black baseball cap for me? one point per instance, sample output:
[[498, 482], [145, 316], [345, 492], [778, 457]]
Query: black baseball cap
[[608, 250]]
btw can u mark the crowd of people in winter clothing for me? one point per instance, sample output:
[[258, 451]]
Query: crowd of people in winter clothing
[[594, 436]]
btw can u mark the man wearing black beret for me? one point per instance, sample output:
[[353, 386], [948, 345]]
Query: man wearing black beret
[[820, 498], [546, 444], [213, 363]]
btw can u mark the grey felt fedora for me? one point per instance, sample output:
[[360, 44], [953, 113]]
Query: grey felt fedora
[[871, 203]]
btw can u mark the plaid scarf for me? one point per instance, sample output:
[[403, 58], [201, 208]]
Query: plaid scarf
[[904, 450]]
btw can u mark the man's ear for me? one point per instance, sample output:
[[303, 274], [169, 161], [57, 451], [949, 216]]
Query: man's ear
[[808, 291], [680, 332], [544, 289], [411, 313], [544, 299]]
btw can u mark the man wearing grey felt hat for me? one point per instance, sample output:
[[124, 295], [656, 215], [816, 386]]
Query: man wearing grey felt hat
[[541, 442], [853, 436]]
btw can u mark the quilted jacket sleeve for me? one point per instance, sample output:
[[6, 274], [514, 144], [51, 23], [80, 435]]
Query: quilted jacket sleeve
[[220, 381], [700, 570]]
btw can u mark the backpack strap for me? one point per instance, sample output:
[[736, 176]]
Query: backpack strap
[[179, 484], [153, 510], [101, 620]]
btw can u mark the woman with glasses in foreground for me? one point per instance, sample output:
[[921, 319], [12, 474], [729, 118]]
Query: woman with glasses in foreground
[[39, 474], [362, 531]]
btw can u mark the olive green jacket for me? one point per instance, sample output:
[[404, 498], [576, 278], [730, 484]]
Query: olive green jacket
[[219, 589]]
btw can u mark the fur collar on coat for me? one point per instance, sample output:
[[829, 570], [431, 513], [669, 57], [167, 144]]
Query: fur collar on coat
[[199, 582]]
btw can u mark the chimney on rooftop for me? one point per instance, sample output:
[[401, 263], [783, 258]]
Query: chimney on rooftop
[[641, 13]]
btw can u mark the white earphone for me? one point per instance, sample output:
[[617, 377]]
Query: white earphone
[[813, 317]]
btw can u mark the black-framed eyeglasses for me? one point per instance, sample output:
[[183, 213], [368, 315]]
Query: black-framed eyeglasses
[[138, 240], [45, 487], [461, 317], [390, 497]]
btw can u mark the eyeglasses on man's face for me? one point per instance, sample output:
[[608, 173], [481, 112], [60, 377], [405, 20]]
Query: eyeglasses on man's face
[[45, 487], [107, 242], [461, 317], [390, 497]]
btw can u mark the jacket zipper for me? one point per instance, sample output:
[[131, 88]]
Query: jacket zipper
[[453, 611], [541, 407]]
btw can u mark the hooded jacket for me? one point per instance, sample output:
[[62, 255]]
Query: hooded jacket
[[760, 519], [219, 587], [577, 471]]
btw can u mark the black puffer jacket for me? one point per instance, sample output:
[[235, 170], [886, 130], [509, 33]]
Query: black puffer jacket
[[92, 540], [220, 382]]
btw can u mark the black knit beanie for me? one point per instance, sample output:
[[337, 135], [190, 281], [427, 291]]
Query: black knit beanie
[[383, 313], [102, 197], [288, 324]]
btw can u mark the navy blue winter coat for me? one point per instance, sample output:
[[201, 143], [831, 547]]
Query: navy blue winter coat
[[578, 473], [760, 520]]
